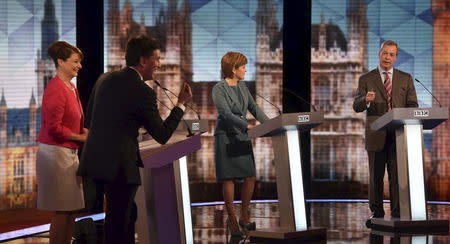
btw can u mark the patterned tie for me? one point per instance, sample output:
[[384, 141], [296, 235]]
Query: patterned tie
[[388, 86]]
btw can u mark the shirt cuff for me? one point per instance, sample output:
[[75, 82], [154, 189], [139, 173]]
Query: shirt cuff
[[181, 106]]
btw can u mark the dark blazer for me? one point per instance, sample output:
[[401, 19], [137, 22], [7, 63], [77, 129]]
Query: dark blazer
[[403, 95], [119, 105]]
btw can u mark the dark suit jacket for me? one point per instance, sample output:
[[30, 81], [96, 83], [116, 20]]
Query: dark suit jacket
[[403, 95], [119, 105]]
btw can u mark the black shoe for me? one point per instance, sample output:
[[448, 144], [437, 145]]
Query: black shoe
[[234, 233], [235, 240], [377, 215], [247, 226], [373, 216]]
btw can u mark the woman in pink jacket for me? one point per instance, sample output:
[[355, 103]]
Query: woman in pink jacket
[[62, 132]]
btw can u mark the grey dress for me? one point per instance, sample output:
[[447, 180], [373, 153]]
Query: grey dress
[[233, 150]]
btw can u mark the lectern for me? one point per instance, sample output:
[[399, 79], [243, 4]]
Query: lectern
[[284, 131], [408, 124], [163, 201]]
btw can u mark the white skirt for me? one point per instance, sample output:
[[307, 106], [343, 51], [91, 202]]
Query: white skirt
[[57, 185]]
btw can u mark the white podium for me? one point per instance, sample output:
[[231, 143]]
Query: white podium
[[284, 131]]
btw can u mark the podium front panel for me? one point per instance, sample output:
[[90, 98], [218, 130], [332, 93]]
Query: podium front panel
[[414, 145], [163, 200], [184, 209], [287, 122], [411, 181], [397, 117], [291, 200], [296, 176]]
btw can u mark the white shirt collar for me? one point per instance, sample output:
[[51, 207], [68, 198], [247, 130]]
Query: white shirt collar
[[383, 76], [381, 70], [137, 72]]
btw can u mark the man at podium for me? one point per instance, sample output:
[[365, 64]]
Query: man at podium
[[378, 92], [119, 105]]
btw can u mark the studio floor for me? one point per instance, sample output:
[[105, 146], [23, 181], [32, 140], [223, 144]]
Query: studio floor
[[345, 223]]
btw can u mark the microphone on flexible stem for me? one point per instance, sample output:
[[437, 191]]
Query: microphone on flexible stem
[[184, 121], [187, 105], [301, 98], [429, 92], [275, 106]]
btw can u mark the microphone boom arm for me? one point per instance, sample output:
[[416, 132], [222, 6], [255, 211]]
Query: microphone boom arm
[[187, 105], [429, 92]]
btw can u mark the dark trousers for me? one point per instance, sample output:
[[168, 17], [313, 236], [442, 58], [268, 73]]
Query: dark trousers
[[121, 213], [93, 195], [378, 161]]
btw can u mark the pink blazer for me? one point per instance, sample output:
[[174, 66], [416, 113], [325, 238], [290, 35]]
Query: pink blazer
[[61, 114]]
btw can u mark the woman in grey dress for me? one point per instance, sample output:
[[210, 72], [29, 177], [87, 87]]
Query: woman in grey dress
[[233, 150]]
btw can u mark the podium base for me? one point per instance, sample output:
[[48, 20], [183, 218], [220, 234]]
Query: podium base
[[276, 236], [398, 235], [410, 226]]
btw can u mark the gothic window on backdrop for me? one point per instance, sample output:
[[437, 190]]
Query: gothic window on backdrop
[[322, 156], [19, 171], [18, 186], [322, 93]]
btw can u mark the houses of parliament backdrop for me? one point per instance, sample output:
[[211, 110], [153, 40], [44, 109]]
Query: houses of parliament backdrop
[[26, 30], [194, 34], [346, 36]]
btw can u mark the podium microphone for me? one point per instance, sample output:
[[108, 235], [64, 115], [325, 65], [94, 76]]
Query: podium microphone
[[187, 105], [429, 92], [301, 98], [184, 121], [275, 106]]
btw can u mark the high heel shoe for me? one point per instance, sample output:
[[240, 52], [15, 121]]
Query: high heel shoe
[[234, 233], [247, 226]]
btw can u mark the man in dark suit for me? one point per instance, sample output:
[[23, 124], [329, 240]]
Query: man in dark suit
[[119, 105], [378, 92]]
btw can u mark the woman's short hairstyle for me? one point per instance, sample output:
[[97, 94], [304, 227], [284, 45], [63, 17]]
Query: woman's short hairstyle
[[62, 50], [230, 61], [139, 46]]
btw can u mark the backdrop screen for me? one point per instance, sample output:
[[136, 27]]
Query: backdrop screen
[[26, 30], [346, 36], [194, 35]]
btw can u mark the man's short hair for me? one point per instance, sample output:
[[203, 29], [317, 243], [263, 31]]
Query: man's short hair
[[139, 46], [389, 43]]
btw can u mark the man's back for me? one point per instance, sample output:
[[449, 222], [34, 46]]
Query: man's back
[[120, 104]]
